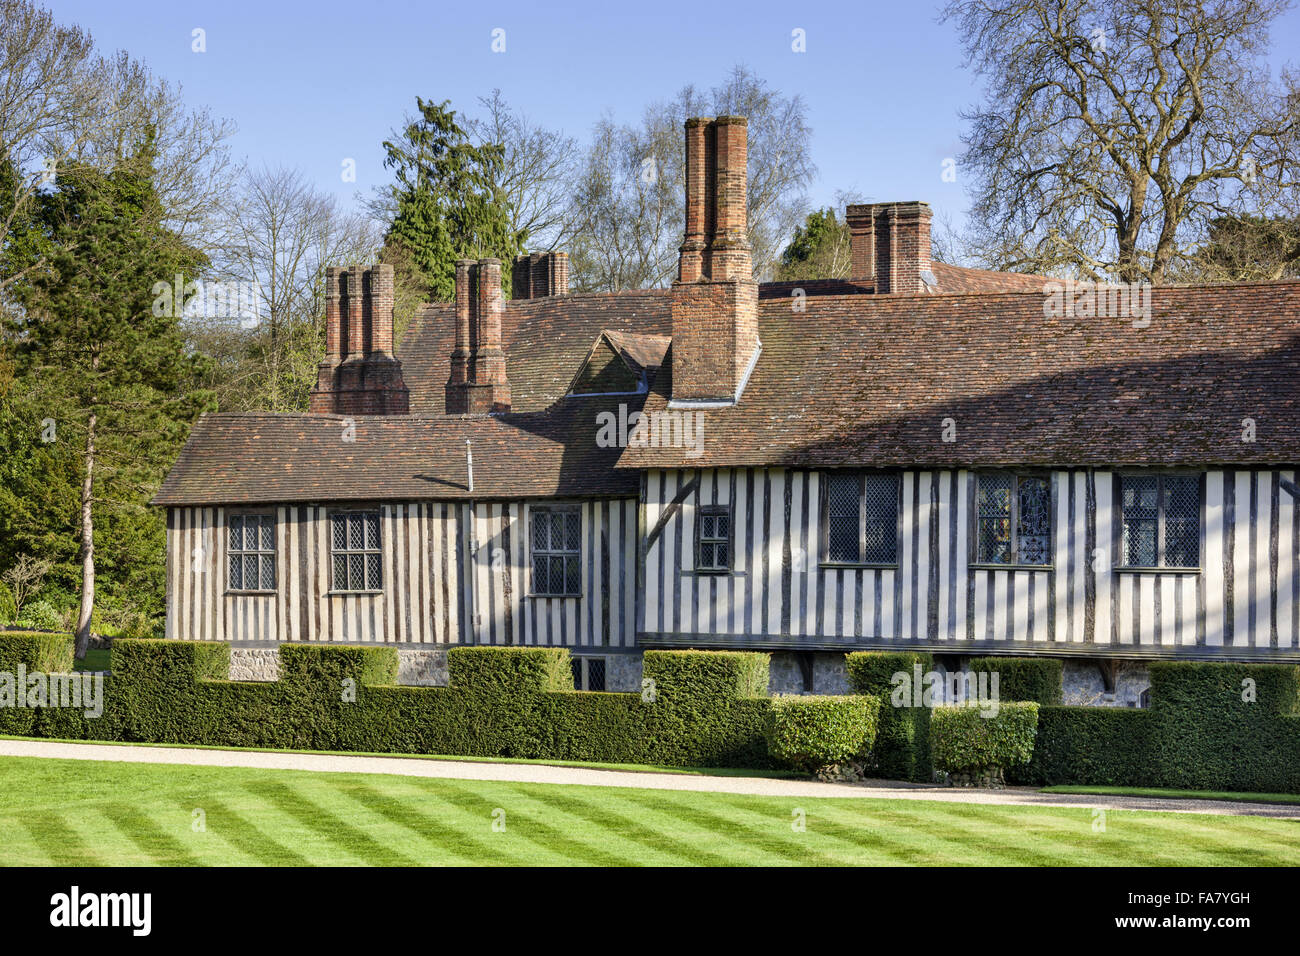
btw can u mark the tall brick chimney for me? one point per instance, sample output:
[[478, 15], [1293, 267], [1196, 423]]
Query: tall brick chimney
[[715, 298], [890, 245], [540, 274], [478, 384], [359, 375]]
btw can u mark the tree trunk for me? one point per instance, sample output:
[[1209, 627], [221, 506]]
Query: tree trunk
[[87, 546]]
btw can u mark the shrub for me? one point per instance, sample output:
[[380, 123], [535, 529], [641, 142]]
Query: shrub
[[49, 653], [1036, 679], [40, 616], [902, 750], [963, 740], [6, 604], [510, 670], [707, 708], [1104, 746], [367, 666], [810, 733]]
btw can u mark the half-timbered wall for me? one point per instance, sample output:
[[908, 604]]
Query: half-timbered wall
[[452, 572], [1245, 595]]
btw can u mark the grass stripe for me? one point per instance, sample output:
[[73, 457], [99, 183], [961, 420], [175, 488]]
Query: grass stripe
[[156, 843], [61, 844], [328, 825], [396, 809], [247, 837]]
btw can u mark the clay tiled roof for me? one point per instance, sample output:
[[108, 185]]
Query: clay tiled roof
[[243, 458], [852, 380], [865, 380]]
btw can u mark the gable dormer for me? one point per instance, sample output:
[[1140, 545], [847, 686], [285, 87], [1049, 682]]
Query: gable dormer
[[620, 363]]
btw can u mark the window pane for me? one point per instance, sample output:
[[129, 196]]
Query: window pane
[[994, 541], [994, 497], [374, 580], [842, 538], [557, 575], [372, 531], [1139, 497], [540, 581], [356, 573], [706, 555], [236, 572], [573, 530], [721, 527], [236, 532], [250, 571], [843, 496], [268, 572], [267, 525], [1140, 542], [251, 525], [339, 524], [1035, 520], [557, 530], [706, 526], [340, 572], [880, 502], [1182, 521], [595, 673], [356, 533], [576, 664], [540, 519], [722, 559], [572, 577]]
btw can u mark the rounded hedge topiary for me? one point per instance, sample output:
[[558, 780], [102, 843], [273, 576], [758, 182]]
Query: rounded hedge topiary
[[810, 733]]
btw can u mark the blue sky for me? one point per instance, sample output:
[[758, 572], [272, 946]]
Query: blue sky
[[310, 84]]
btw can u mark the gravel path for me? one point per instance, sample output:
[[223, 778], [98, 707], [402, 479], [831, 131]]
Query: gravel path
[[581, 776]]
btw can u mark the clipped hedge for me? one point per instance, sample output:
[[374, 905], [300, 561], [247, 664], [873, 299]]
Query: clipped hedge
[[36, 651], [902, 750], [1210, 726], [509, 702], [812, 733], [510, 670], [1036, 679], [967, 739], [1102, 746]]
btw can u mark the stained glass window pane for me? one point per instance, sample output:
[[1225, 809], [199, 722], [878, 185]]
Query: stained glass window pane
[[993, 504], [1034, 521]]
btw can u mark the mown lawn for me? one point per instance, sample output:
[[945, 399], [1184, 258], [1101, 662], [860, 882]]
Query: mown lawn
[[88, 813]]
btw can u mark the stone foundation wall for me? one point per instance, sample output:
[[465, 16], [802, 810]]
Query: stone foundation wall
[[623, 672], [829, 675], [419, 667], [1084, 687]]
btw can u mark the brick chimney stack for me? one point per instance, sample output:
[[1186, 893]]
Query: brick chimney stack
[[715, 298], [359, 375], [890, 245], [539, 275], [478, 384]]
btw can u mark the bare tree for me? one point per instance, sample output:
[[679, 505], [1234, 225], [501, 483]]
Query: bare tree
[[62, 103], [536, 173], [1113, 131], [279, 236], [25, 579], [629, 188]]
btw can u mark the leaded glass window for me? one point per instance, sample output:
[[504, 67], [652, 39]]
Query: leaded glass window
[[557, 551], [250, 553], [355, 552], [1013, 519], [861, 514], [713, 538], [1162, 521]]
